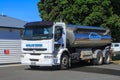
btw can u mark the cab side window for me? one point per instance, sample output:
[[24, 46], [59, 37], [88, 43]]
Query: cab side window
[[58, 33]]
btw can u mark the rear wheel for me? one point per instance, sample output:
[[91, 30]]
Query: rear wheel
[[107, 58], [64, 62], [99, 59]]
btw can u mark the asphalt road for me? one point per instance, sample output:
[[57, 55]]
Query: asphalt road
[[86, 72]]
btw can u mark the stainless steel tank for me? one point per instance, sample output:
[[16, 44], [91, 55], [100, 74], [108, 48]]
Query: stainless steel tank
[[87, 36]]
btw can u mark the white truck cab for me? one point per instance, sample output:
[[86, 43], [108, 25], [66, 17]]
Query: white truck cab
[[43, 43]]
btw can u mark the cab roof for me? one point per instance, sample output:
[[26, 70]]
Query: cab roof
[[39, 23]]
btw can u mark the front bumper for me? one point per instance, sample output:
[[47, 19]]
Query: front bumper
[[39, 60]]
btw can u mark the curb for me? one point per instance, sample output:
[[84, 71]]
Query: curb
[[116, 62]]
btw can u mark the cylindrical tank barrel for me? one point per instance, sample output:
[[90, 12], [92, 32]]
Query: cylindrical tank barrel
[[87, 36]]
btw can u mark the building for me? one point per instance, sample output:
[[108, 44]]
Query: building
[[10, 41]]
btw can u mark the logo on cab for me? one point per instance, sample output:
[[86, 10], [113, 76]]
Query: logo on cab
[[34, 45]]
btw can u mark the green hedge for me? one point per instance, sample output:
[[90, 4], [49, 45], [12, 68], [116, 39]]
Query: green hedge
[[117, 57]]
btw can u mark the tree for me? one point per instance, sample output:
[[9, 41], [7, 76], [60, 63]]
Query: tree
[[114, 25], [104, 13]]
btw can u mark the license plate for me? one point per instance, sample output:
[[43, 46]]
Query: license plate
[[33, 63]]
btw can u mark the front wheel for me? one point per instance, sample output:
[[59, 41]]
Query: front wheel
[[64, 62]]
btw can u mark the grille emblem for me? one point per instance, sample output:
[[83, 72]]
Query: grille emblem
[[33, 51]]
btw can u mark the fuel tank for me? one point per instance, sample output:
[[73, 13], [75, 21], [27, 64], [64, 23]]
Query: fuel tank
[[87, 36]]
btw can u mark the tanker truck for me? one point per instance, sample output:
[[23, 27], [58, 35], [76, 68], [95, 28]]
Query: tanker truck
[[46, 43]]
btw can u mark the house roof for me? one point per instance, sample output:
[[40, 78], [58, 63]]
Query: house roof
[[9, 22]]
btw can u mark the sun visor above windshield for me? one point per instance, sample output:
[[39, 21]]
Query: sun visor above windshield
[[39, 23]]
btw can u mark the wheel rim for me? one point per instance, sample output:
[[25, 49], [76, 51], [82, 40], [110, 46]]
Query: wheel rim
[[64, 61]]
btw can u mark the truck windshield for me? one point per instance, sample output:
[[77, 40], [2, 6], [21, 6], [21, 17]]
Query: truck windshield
[[37, 33]]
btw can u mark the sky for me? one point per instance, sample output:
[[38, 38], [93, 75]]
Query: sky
[[26, 10]]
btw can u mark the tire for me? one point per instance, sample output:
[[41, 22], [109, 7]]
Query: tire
[[107, 58], [99, 59], [64, 64]]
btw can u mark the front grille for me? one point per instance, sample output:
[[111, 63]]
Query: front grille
[[36, 49], [35, 54]]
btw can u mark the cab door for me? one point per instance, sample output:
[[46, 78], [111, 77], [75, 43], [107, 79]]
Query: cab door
[[59, 37]]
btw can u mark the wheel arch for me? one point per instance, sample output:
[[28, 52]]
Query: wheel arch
[[62, 52]]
